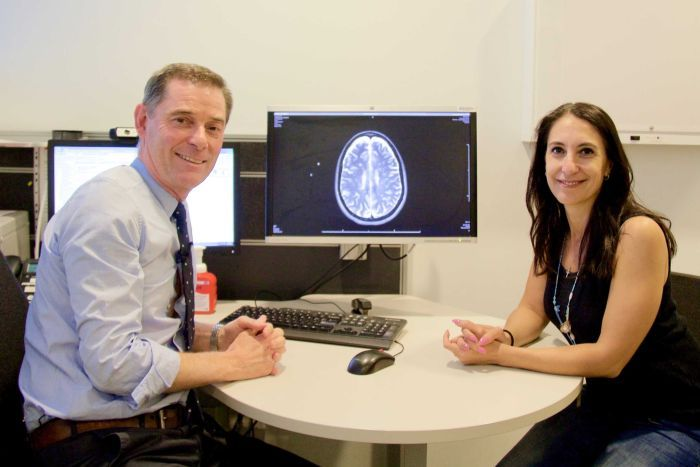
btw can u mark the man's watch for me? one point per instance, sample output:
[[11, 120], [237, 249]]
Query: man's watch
[[214, 337]]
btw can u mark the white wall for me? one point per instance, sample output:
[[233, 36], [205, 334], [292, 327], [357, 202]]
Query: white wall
[[620, 56], [79, 64]]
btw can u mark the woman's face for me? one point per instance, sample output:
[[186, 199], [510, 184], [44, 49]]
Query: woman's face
[[576, 162]]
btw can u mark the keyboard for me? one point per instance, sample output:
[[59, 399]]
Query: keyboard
[[373, 332]]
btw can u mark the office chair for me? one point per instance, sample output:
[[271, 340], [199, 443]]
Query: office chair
[[13, 311], [686, 293], [15, 263]]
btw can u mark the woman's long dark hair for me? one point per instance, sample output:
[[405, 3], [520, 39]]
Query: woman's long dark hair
[[615, 202]]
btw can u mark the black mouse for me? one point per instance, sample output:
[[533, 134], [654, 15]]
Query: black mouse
[[370, 361]]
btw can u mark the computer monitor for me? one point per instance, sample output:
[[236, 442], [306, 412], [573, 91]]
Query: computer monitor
[[370, 175], [213, 205]]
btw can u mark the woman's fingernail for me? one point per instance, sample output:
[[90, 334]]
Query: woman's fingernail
[[481, 350], [456, 321], [471, 338]]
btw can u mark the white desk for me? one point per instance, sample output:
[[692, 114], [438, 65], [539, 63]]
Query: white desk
[[427, 396]]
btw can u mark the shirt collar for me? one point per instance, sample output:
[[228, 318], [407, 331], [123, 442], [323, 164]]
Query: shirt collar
[[165, 199]]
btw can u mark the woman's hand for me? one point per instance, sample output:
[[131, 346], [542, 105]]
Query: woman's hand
[[476, 344], [481, 334]]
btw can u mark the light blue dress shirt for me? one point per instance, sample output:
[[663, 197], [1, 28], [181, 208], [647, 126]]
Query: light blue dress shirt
[[104, 328]]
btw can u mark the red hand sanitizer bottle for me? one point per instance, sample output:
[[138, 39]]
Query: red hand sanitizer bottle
[[205, 290]]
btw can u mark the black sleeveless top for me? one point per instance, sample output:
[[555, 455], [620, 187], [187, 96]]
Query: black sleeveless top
[[662, 379]]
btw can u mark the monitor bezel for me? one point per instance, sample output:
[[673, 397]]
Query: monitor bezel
[[227, 248], [388, 239]]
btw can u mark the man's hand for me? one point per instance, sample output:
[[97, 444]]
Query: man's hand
[[252, 353], [257, 355], [230, 331]]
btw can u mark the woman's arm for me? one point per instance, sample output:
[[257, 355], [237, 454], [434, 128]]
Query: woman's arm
[[633, 302], [525, 323], [528, 319]]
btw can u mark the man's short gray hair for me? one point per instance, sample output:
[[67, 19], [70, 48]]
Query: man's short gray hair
[[155, 87]]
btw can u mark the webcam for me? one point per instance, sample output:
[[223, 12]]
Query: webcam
[[361, 306], [121, 132]]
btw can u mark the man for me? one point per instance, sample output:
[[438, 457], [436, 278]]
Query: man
[[108, 361]]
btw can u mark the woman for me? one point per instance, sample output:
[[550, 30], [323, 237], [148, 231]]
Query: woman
[[601, 275]]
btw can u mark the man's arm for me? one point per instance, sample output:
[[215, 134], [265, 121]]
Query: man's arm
[[122, 342], [250, 355]]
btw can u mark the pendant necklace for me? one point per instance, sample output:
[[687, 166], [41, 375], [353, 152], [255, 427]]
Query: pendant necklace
[[565, 326]]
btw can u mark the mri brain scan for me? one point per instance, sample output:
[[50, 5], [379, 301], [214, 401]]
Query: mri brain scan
[[370, 180]]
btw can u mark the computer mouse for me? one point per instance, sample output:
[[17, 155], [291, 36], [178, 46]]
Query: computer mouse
[[370, 361]]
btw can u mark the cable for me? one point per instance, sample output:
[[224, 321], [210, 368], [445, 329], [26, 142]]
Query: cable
[[251, 428], [317, 286], [237, 424], [329, 270], [248, 429], [393, 258], [322, 280], [324, 303], [400, 351], [260, 292]]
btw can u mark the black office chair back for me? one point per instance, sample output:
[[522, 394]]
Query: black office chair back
[[686, 293], [15, 263], [13, 312]]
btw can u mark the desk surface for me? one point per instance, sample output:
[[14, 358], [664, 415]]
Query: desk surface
[[427, 396]]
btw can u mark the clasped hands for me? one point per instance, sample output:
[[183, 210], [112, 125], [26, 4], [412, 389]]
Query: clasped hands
[[257, 342], [476, 344]]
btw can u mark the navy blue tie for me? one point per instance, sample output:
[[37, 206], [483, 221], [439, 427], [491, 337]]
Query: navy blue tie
[[184, 266]]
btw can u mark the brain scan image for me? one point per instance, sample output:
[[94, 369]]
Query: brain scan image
[[370, 179]]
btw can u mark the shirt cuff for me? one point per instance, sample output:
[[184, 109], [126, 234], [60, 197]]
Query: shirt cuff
[[160, 377]]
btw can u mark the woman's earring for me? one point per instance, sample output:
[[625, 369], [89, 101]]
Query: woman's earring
[[607, 176]]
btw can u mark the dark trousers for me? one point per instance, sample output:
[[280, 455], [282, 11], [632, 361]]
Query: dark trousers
[[576, 436], [594, 433], [186, 446]]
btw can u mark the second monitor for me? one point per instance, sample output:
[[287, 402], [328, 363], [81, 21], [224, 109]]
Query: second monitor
[[370, 175], [213, 205]]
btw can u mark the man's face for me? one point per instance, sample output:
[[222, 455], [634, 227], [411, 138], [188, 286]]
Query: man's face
[[180, 139]]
